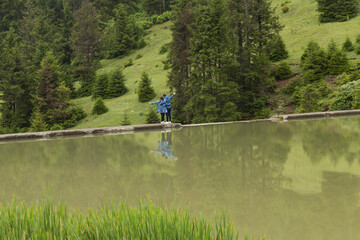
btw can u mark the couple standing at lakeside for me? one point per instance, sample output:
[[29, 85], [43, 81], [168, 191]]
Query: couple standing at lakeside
[[164, 107]]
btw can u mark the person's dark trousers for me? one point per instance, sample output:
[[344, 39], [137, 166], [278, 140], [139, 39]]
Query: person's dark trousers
[[168, 115], [162, 116]]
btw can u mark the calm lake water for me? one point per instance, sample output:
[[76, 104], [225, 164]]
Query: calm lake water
[[287, 180]]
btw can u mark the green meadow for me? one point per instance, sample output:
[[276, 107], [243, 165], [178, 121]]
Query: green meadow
[[300, 26], [152, 63]]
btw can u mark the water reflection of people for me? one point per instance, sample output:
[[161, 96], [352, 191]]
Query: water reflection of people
[[165, 146]]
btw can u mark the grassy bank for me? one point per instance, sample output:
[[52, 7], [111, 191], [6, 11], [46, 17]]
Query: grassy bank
[[150, 61], [147, 221], [301, 25]]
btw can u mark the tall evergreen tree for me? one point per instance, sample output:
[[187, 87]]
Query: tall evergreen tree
[[116, 86], [49, 79], [337, 62], [256, 26], [179, 57], [52, 97], [11, 11], [86, 45], [101, 87], [121, 34], [145, 91], [212, 48], [16, 86], [277, 50], [314, 61]]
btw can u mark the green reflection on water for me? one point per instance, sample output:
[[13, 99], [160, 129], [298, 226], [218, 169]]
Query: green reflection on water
[[293, 180]]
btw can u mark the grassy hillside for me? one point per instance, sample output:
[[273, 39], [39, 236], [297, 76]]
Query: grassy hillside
[[151, 62], [300, 26]]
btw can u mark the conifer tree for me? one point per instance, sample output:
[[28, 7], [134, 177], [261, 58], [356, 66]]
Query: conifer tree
[[337, 61], [179, 57], [277, 49], [11, 12], [52, 98], [314, 60], [126, 120], [99, 107], [16, 86], [212, 48], [116, 86], [38, 122], [49, 79], [145, 91], [101, 87], [256, 27], [86, 45], [348, 45]]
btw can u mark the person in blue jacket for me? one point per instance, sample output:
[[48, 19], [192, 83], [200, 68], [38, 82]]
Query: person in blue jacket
[[168, 107], [161, 108]]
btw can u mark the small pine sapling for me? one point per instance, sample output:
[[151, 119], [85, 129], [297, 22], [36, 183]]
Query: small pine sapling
[[99, 107]]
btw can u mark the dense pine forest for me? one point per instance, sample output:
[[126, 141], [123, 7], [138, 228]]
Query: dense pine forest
[[226, 60]]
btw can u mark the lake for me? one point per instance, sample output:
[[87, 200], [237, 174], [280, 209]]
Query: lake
[[286, 180]]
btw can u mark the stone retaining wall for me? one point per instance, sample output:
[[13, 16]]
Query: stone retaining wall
[[320, 115], [159, 126], [87, 131]]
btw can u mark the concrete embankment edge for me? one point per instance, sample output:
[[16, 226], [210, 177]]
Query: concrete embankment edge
[[159, 126], [302, 116], [87, 131]]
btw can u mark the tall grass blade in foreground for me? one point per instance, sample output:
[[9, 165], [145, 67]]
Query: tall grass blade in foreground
[[147, 221]]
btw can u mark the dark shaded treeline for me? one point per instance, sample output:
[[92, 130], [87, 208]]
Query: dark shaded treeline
[[46, 46]]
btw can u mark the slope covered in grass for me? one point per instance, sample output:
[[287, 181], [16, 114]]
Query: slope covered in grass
[[152, 63], [301, 25]]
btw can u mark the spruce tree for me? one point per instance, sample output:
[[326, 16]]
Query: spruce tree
[[277, 49], [38, 123], [116, 86], [179, 58], [337, 61], [101, 87], [212, 48], [126, 120], [314, 60], [49, 79], [86, 45], [17, 92], [348, 45], [256, 26], [145, 91], [99, 107], [52, 97]]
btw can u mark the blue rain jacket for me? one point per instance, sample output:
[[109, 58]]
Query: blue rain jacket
[[161, 106], [167, 101]]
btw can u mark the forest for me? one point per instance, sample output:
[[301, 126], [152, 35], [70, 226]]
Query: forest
[[225, 60]]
